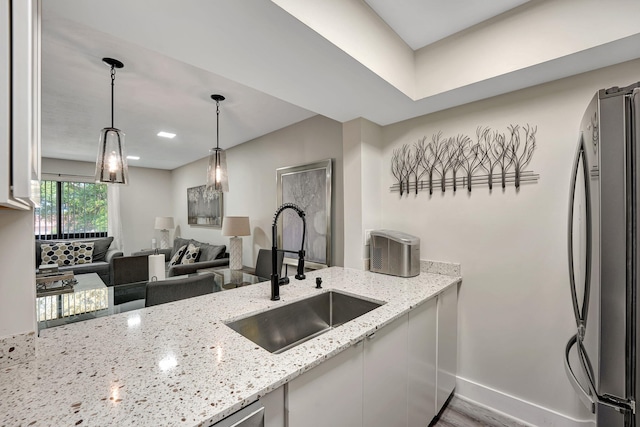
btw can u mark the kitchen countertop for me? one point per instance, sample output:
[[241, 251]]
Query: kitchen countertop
[[178, 364]]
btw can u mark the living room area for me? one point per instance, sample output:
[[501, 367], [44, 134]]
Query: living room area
[[153, 193]]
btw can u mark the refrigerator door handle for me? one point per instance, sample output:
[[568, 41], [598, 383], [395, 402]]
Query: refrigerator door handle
[[581, 316], [584, 395]]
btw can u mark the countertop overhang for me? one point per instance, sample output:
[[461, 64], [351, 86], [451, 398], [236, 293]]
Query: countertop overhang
[[179, 364]]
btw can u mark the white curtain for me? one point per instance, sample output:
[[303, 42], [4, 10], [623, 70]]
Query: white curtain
[[114, 225]]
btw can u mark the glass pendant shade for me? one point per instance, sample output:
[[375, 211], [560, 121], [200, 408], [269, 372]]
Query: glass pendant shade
[[111, 165], [217, 177]]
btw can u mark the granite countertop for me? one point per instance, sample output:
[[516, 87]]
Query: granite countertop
[[178, 364]]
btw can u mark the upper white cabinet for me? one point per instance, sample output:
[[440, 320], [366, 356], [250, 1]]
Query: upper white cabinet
[[19, 103]]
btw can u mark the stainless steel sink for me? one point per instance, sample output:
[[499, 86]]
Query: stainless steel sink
[[279, 329]]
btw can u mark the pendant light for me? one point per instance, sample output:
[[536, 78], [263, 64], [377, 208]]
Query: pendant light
[[111, 165], [217, 178]]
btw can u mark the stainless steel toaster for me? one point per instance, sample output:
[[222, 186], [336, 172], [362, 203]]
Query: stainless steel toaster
[[395, 253]]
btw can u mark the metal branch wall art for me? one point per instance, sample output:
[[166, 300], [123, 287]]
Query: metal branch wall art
[[460, 161]]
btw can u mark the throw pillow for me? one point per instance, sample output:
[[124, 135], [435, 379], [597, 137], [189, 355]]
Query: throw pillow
[[175, 260], [210, 252], [83, 252], [60, 253], [178, 242], [100, 248], [190, 255]]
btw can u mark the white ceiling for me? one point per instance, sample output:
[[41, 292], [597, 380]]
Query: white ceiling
[[422, 22], [273, 69], [152, 93]]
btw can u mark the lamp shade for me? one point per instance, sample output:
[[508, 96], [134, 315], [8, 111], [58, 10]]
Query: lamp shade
[[236, 226], [164, 223]]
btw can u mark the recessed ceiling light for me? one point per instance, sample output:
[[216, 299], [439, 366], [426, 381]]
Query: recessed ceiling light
[[133, 157], [166, 134]]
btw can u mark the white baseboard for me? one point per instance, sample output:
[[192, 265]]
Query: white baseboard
[[512, 409]]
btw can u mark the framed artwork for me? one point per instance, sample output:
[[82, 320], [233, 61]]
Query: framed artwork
[[204, 207], [309, 187]]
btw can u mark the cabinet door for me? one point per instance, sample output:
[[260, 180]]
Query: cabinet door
[[385, 376], [5, 101], [25, 107], [20, 112], [447, 344], [421, 406], [329, 394], [274, 408]]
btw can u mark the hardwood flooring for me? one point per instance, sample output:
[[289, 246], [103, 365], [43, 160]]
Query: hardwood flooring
[[462, 413], [452, 418]]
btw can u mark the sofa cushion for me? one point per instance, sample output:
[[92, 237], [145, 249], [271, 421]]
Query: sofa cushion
[[210, 252], [60, 253], [190, 255], [83, 252], [100, 267]]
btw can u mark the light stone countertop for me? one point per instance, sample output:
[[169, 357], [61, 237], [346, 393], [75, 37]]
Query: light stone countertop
[[178, 364]]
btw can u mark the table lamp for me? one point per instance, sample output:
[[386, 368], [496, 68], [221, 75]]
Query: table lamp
[[235, 226], [164, 224]]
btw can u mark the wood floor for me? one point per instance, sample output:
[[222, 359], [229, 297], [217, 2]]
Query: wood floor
[[459, 412], [452, 418]]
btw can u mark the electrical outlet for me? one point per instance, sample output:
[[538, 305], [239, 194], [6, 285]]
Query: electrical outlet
[[367, 236]]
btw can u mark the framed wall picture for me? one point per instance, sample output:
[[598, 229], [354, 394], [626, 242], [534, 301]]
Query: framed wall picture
[[204, 207], [309, 187]]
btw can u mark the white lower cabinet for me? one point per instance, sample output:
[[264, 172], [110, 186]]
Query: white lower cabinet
[[421, 385], [385, 376], [329, 394], [273, 403], [399, 377], [447, 345]]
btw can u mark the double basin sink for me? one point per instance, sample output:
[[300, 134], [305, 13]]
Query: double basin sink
[[281, 328]]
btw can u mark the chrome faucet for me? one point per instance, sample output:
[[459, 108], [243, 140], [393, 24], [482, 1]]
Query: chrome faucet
[[276, 281]]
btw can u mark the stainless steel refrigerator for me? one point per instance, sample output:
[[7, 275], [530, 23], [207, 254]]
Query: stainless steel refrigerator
[[601, 359]]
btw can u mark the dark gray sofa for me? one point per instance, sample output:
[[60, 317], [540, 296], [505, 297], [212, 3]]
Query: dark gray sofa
[[209, 256], [102, 257]]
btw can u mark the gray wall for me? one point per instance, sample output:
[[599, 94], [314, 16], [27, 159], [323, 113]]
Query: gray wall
[[252, 182], [515, 313]]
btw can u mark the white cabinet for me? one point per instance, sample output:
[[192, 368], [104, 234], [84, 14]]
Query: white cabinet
[[19, 103], [273, 403], [421, 385], [399, 377], [447, 344], [365, 385], [385, 376], [329, 394]]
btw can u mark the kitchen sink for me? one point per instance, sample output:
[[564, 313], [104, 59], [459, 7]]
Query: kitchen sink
[[281, 328]]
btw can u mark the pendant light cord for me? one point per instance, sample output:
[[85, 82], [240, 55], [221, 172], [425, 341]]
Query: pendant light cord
[[217, 124], [113, 79]]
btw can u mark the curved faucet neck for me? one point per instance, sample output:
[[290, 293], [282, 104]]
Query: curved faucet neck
[[275, 274]]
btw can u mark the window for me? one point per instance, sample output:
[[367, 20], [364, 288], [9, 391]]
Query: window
[[71, 210]]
